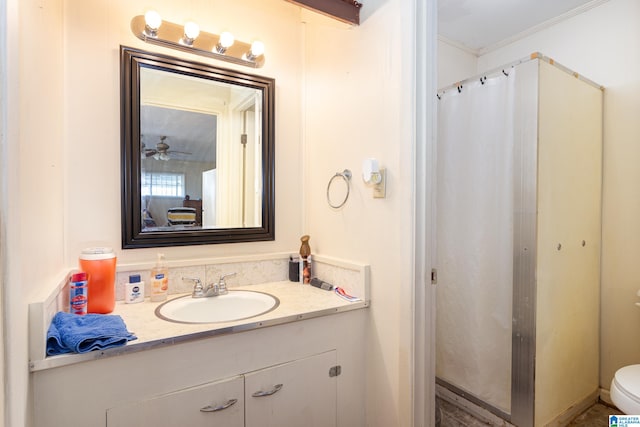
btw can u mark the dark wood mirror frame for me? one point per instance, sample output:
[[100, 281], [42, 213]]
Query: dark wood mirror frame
[[132, 236]]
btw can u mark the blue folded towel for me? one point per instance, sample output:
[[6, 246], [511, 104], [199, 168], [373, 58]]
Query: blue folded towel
[[72, 333]]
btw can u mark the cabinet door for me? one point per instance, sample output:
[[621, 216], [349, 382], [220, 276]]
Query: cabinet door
[[211, 404], [294, 394]]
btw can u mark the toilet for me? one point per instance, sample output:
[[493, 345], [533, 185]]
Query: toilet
[[625, 389]]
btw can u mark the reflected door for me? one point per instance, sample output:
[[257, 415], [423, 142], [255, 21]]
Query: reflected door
[[209, 199]]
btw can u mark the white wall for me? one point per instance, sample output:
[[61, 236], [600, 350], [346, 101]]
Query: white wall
[[454, 64], [603, 44], [33, 165], [358, 93]]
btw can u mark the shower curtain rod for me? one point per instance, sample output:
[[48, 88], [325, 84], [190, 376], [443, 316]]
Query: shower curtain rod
[[536, 55]]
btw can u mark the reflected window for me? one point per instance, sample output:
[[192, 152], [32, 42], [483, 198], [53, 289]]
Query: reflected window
[[162, 184]]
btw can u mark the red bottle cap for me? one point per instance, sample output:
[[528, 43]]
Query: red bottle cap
[[79, 277]]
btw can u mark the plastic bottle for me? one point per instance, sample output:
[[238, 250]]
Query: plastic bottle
[[159, 280], [78, 293], [307, 271], [134, 290], [305, 260], [100, 265]]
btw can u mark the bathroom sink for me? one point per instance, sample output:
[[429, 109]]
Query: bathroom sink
[[235, 305]]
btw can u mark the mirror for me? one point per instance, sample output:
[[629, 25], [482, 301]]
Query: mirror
[[197, 153]]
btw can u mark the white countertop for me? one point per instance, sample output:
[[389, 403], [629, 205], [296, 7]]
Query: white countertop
[[297, 302]]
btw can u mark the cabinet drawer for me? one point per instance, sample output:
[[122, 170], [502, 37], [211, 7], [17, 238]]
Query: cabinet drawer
[[206, 405]]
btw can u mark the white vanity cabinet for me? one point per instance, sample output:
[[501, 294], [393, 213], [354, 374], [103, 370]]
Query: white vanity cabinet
[[292, 394], [169, 385], [298, 393]]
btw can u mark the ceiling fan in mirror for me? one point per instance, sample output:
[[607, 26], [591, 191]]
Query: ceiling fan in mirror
[[161, 152]]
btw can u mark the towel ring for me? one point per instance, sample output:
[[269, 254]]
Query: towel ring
[[346, 177]]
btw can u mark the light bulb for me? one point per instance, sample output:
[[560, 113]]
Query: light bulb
[[153, 20], [224, 42], [226, 39], [191, 31], [257, 48]]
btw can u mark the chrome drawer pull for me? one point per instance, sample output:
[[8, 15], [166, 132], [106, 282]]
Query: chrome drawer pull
[[219, 408], [274, 390]]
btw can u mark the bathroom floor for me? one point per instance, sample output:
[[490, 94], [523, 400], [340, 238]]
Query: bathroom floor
[[596, 416], [450, 415]]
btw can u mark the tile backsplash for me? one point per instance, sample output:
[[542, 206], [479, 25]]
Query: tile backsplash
[[251, 272], [247, 273]]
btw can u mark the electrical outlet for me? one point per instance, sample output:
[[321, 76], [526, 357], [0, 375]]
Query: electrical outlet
[[380, 189]]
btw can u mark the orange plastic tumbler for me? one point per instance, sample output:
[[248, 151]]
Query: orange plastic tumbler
[[100, 265]]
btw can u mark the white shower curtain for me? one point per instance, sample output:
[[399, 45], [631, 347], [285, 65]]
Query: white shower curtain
[[475, 238]]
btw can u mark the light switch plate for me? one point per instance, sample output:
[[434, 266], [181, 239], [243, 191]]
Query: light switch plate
[[380, 189]]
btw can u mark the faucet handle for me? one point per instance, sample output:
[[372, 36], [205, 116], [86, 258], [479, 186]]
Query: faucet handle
[[222, 286], [227, 275], [198, 290]]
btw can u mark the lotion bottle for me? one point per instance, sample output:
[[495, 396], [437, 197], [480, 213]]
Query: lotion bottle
[[159, 280], [134, 290]]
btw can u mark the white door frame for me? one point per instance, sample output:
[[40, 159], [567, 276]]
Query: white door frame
[[424, 186], [4, 137]]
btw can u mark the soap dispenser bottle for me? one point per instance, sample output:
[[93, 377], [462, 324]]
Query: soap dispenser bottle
[[159, 280]]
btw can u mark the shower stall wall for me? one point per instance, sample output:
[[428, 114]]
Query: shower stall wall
[[518, 244]]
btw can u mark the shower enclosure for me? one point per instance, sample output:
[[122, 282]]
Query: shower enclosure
[[518, 232]]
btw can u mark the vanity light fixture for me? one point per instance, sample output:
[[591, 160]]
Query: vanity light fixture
[[372, 174], [188, 38]]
